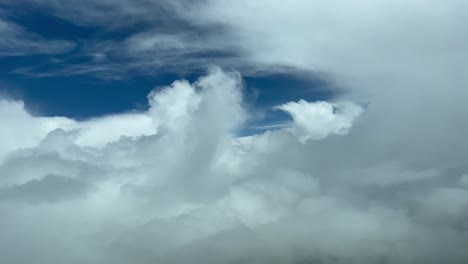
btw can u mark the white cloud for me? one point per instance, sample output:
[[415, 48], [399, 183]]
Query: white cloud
[[25, 131], [387, 192], [100, 131], [179, 183], [317, 120], [21, 130], [16, 41]]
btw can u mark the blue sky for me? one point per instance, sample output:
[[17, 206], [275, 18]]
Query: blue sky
[[72, 81]]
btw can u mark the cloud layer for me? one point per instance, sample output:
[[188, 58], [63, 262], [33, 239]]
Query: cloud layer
[[342, 183], [175, 185]]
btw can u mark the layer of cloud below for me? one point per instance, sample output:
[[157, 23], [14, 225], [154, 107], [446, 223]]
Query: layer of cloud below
[[175, 185], [182, 189]]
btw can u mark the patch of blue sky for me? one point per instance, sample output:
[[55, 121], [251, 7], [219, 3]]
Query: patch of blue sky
[[71, 84]]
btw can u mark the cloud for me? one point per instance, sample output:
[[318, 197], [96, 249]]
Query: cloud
[[121, 12], [389, 188], [24, 130], [179, 186], [48, 189], [154, 36], [347, 41], [16, 41], [328, 118]]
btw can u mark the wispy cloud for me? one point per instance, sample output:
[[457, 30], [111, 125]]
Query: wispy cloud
[[16, 41], [158, 36]]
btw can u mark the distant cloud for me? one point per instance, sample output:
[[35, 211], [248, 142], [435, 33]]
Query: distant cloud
[[185, 35], [328, 118], [15, 41], [157, 35]]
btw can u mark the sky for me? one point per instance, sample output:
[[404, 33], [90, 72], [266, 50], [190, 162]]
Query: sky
[[219, 131]]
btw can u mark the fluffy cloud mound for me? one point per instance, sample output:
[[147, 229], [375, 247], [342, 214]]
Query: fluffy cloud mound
[[318, 120], [144, 187], [21, 130], [175, 185]]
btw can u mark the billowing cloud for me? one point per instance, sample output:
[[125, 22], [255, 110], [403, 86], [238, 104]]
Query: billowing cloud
[[179, 186], [50, 188], [24, 130], [340, 183], [319, 119]]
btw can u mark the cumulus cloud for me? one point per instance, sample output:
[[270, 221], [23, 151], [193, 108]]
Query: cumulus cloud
[[340, 184], [50, 188], [24, 130], [180, 186], [319, 119]]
